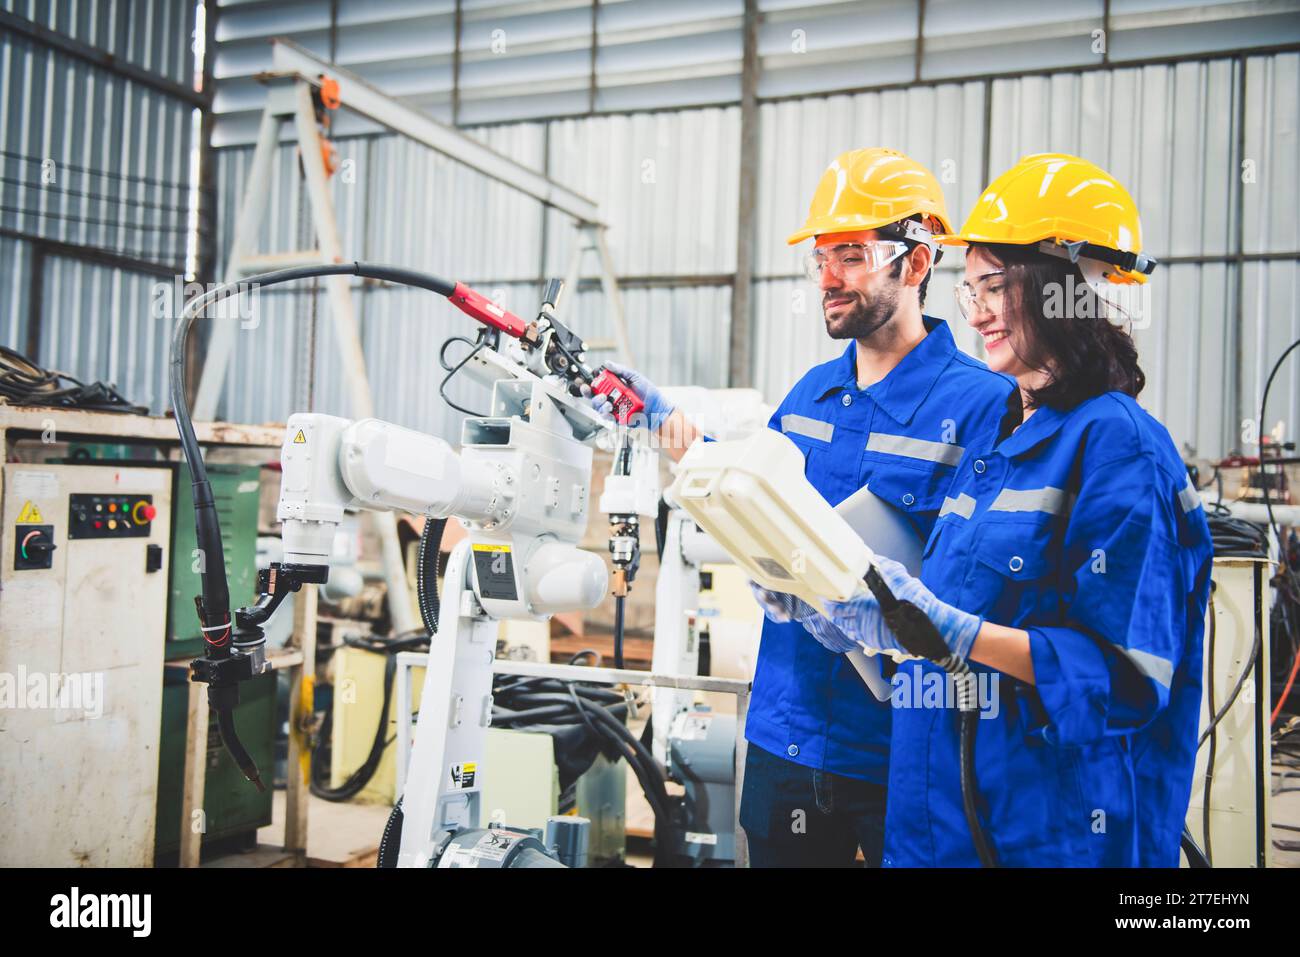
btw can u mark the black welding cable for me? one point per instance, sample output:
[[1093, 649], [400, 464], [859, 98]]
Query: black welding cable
[[426, 573], [918, 636], [216, 594], [554, 690], [452, 370], [391, 842], [550, 706], [652, 778], [1286, 571], [618, 631], [1236, 688], [968, 722], [1195, 856], [214, 587], [505, 717], [356, 782], [1236, 537], [649, 773]]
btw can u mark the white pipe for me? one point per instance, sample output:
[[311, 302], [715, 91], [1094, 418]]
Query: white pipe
[[1256, 511]]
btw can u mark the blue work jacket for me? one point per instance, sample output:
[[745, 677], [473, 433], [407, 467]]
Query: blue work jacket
[[903, 436], [1082, 528]]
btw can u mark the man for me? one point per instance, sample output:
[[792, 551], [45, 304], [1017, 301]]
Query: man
[[891, 412]]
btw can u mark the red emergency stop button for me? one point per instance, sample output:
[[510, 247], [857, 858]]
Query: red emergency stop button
[[143, 512]]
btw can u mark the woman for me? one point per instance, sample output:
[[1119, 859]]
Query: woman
[[1070, 565]]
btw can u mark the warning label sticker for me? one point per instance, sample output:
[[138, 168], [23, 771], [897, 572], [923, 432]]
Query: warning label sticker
[[495, 567], [462, 775], [300, 438], [772, 568], [30, 514], [695, 726]]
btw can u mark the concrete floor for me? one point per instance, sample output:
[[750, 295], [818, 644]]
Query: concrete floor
[[1286, 810], [338, 835], [348, 834]]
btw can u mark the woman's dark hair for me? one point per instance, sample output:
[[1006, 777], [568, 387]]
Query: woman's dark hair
[[1066, 328]]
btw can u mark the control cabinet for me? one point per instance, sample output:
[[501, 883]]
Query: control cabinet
[[83, 577]]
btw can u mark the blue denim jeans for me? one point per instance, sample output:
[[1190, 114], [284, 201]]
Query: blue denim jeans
[[795, 816]]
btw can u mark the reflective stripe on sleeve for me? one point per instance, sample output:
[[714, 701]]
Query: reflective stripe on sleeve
[[1046, 499], [1158, 669], [811, 428], [962, 505], [942, 452]]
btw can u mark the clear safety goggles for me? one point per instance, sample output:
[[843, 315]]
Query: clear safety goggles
[[848, 259], [983, 296]]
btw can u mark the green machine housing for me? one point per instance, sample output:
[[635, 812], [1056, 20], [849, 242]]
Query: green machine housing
[[233, 809], [235, 489]]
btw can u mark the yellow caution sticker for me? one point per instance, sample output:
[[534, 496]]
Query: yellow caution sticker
[[30, 515], [462, 775], [300, 439], [494, 566]]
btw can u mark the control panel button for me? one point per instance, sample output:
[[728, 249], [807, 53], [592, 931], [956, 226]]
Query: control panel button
[[110, 516]]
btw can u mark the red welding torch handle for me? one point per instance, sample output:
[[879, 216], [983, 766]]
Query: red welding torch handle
[[626, 403], [480, 307]]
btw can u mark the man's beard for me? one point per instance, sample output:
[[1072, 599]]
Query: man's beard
[[864, 317]]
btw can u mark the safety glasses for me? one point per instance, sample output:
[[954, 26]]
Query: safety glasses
[[848, 259], [984, 295]]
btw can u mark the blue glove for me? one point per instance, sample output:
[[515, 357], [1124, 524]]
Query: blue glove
[[829, 635], [656, 410], [861, 618], [781, 607]]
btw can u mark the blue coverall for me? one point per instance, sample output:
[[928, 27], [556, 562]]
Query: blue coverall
[[902, 436], [1082, 528]]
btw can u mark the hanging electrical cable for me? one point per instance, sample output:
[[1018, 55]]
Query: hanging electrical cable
[[1286, 570]]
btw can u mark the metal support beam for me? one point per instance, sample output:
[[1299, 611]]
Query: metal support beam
[[740, 369], [613, 300], [1246, 408], [595, 49], [247, 224], [362, 98], [919, 53], [455, 63]]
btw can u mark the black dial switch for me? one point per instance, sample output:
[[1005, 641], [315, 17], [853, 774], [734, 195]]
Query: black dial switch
[[33, 547]]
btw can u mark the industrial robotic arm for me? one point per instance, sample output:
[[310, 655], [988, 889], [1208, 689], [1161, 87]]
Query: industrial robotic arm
[[520, 485]]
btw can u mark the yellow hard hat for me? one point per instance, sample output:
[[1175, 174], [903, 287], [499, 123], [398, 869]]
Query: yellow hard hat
[[1069, 207], [870, 189]]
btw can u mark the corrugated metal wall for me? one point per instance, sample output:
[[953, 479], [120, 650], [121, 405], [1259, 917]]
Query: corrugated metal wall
[[665, 181], [1207, 145], [155, 36], [94, 188], [485, 61]]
